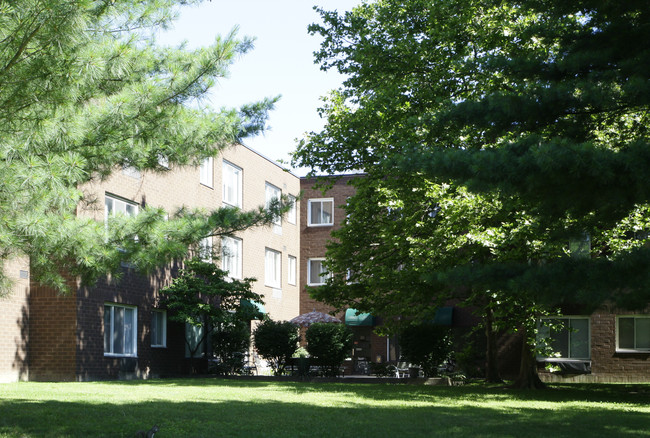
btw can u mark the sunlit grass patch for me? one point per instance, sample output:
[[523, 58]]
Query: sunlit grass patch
[[232, 408]]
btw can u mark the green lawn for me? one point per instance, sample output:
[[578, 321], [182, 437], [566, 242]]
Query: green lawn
[[234, 408]]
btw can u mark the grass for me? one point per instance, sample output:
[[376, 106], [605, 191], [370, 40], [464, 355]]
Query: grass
[[248, 408]]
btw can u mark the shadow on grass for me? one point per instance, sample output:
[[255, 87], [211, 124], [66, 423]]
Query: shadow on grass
[[632, 394], [352, 418]]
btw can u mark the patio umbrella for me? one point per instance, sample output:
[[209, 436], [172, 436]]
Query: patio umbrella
[[307, 319]]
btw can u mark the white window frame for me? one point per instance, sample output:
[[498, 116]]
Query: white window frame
[[567, 327], [273, 192], [206, 174], [292, 266], [349, 273], [272, 268], [114, 205], [163, 161], [231, 256], [635, 348], [292, 215], [580, 247], [322, 278], [159, 327], [318, 222], [109, 318], [205, 249], [232, 184], [195, 332]]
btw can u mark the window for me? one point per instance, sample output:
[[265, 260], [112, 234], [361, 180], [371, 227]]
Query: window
[[316, 272], [120, 330], [320, 212], [163, 161], [205, 249], [580, 247], [291, 276], [231, 256], [194, 340], [351, 276], [232, 184], [272, 269], [293, 214], [131, 171], [272, 192], [568, 337], [633, 333], [205, 173], [159, 328], [114, 206]]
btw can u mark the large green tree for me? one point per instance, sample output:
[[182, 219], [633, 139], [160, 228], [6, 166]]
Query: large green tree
[[85, 90], [207, 301], [538, 107], [408, 245]]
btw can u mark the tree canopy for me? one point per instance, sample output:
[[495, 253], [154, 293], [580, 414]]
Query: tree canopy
[[538, 104], [85, 90], [506, 152], [495, 95], [204, 298]]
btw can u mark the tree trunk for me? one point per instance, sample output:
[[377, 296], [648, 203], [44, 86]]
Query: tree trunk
[[492, 364], [528, 377]]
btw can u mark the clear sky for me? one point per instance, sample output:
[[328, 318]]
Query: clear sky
[[282, 62]]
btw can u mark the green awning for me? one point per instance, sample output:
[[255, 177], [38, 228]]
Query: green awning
[[253, 306], [444, 316], [357, 320]]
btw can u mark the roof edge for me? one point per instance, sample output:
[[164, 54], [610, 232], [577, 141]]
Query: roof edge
[[272, 161]]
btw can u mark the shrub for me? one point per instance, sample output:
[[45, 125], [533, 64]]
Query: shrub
[[469, 361], [329, 345], [300, 352], [230, 344], [427, 345], [276, 341], [381, 370]]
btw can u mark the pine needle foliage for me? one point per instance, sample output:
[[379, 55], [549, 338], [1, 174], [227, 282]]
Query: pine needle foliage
[[85, 90]]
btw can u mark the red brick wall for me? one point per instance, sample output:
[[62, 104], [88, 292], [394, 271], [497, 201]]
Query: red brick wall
[[608, 365], [131, 290], [605, 361], [67, 332], [313, 240], [52, 334]]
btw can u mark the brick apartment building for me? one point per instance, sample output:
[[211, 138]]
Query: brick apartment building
[[608, 345], [320, 214], [117, 330], [44, 336]]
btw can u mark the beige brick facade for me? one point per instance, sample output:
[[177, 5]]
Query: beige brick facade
[[14, 323], [45, 336], [181, 187], [282, 303]]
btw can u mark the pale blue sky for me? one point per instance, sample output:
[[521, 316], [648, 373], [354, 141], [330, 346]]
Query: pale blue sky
[[282, 62]]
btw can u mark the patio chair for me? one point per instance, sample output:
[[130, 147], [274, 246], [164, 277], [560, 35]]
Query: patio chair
[[400, 369], [250, 366]]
